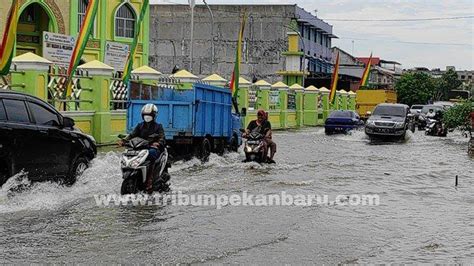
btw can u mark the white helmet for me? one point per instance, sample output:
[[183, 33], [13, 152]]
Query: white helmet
[[149, 109]]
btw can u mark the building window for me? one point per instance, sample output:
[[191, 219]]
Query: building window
[[81, 15], [28, 15], [125, 22], [302, 31]]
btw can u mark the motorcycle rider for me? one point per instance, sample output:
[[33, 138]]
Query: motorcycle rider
[[264, 127], [144, 130]]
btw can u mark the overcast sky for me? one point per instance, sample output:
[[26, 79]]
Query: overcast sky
[[432, 44]]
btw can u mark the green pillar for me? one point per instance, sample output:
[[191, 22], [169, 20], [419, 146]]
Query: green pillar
[[31, 75], [299, 101], [147, 75], [262, 101], [282, 102], [343, 95], [243, 93], [352, 101], [338, 101], [185, 78], [310, 106], [263, 92], [325, 100], [99, 95]]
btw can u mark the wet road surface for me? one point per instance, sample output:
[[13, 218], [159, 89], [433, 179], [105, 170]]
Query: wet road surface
[[421, 217]]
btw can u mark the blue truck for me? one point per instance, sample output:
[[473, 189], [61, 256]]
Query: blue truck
[[196, 121]]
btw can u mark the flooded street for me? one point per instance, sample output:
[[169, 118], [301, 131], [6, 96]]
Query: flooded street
[[421, 218]]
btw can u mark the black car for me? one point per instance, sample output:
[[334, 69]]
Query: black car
[[389, 121], [342, 121], [37, 139]]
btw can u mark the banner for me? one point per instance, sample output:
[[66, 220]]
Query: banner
[[58, 48], [116, 55]]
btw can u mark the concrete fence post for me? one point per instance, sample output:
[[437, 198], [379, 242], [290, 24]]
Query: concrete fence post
[[31, 75], [99, 95], [187, 79], [283, 102], [326, 105], [310, 105], [147, 75]]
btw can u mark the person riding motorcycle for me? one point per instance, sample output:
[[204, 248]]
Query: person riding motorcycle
[[264, 127], [144, 130]]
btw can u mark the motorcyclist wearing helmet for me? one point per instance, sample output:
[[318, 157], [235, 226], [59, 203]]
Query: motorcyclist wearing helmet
[[144, 130], [263, 126]]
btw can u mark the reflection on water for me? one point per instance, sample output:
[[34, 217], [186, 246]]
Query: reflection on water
[[421, 218]]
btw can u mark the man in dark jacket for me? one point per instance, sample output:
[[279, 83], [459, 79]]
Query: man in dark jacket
[[145, 130]]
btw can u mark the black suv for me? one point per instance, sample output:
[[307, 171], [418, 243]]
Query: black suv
[[389, 121], [37, 139]]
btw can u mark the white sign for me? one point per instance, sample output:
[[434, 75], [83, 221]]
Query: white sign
[[116, 55], [58, 48]]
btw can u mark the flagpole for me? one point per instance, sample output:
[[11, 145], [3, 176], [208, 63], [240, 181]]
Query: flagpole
[[192, 3]]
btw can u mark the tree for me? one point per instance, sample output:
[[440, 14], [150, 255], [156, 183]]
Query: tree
[[449, 81], [415, 88], [458, 116]]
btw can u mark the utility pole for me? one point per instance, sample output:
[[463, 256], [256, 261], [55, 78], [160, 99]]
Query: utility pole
[[212, 36], [192, 3]]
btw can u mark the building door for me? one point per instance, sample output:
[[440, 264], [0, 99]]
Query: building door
[[32, 22]]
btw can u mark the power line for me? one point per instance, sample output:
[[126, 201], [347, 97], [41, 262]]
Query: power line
[[407, 42]]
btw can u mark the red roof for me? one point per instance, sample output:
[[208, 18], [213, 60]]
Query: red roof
[[365, 60]]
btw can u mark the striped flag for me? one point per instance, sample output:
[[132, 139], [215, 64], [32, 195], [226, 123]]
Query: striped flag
[[8, 41], [234, 81], [365, 75], [129, 63], [335, 77], [81, 41]]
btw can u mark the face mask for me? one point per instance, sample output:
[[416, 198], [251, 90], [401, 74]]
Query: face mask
[[148, 118]]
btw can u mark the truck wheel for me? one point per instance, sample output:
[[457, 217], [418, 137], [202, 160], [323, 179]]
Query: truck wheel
[[206, 149], [234, 144]]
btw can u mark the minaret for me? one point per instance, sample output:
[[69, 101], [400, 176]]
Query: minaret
[[293, 72]]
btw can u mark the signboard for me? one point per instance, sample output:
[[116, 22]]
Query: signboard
[[274, 97], [58, 48], [116, 55]]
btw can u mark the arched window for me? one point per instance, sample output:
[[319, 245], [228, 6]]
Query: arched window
[[81, 15], [125, 22]]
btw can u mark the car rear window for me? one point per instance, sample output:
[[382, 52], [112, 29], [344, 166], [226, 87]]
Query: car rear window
[[3, 115], [387, 110], [16, 111], [435, 108], [341, 114]]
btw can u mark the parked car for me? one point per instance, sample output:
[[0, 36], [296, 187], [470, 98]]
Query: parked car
[[342, 122], [36, 138], [421, 121], [389, 121]]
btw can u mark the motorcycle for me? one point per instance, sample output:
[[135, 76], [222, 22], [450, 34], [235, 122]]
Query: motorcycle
[[435, 128], [253, 147], [135, 166]]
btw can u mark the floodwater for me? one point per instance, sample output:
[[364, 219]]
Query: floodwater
[[421, 217]]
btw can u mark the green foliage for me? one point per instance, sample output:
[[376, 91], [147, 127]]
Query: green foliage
[[458, 116], [448, 82], [415, 88], [419, 88]]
